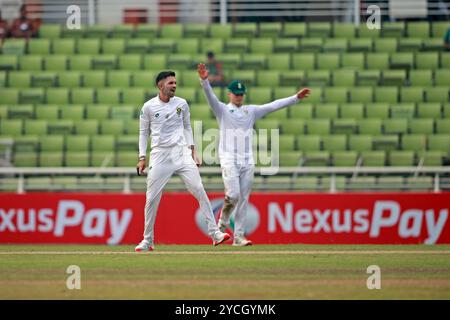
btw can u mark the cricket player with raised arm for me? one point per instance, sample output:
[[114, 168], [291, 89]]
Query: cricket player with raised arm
[[167, 119], [236, 123]]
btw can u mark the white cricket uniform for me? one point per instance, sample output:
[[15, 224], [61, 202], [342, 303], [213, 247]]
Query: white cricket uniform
[[171, 137], [235, 151]]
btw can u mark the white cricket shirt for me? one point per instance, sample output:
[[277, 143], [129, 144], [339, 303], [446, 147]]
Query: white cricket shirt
[[168, 124], [236, 124]]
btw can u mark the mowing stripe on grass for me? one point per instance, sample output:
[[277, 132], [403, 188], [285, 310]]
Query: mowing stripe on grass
[[290, 252]]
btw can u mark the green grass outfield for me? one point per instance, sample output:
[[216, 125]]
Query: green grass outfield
[[225, 272]]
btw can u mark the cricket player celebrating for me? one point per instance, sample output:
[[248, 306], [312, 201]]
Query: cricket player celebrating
[[236, 124], [167, 118]]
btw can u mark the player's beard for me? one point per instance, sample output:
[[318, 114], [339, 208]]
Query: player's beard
[[170, 92]]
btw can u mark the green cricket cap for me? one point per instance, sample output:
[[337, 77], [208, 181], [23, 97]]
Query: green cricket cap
[[237, 87]]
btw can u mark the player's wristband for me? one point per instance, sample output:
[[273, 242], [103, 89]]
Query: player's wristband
[[141, 158]]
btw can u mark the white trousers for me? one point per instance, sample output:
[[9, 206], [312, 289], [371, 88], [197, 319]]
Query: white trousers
[[164, 162], [238, 180]]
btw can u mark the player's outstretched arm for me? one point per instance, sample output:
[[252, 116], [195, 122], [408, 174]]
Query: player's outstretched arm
[[261, 111]]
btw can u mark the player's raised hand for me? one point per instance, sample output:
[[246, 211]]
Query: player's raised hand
[[202, 71], [304, 93]]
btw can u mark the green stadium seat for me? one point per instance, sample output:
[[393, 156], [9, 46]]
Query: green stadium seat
[[94, 79], [104, 62], [245, 30], [344, 78], [63, 46], [437, 94], [10, 96], [395, 126], [403, 110], [412, 94], [44, 79], [293, 126], [19, 79], [387, 142], [309, 142], [253, 61], [60, 127], [286, 142], [337, 142], [421, 77], [52, 143], [72, 112], [214, 45], [336, 94], [344, 126], [261, 45], [344, 158], [303, 61], [39, 46], [21, 112], [32, 63], [55, 63], [370, 126], [385, 45], [47, 112], [359, 143], [427, 60], [409, 44], [318, 126], [25, 159], [154, 61], [418, 29], [414, 142], [98, 111], [130, 62], [123, 112], [137, 46], [122, 31], [13, 47], [377, 61], [285, 45], [108, 96], [237, 45], [70, 79], [147, 31], [393, 78], [134, 96], [439, 142], [35, 127], [328, 61], [270, 29], [294, 29], [189, 94], [119, 79], [199, 113], [442, 77], [188, 46], [196, 30], [442, 126], [266, 78], [82, 95], [172, 30], [318, 78], [291, 78], [88, 46], [259, 95], [335, 45], [87, 127], [8, 62], [103, 143], [402, 60], [429, 110], [50, 31], [179, 61], [113, 46], [431, 158], [401, 158], [80, 62], [319, 29], [246, 76], [386, 94], [369, 78], [438, 29], [51, 159], [162, 45], [393, 29], [11, 127], [353, 61], [280, 114], [311, 44], [112, 127], [360, 45], [279, 61], [290, 158], [97, 31], [344, 30], [373, 159], [32, 96], [361, 94], [352, 110]]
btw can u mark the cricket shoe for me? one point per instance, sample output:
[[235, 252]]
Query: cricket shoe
[[144, 246], [220, 237], [241, 242]]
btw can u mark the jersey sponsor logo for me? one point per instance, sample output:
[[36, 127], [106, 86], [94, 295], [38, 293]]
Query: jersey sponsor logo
[[178, 110], [157, 115], [251, 222]]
